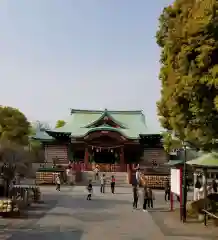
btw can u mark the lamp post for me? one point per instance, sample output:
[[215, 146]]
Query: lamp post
[[184, 183], [184, 180]]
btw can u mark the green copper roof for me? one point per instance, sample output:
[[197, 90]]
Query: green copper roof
[[43, 136], [82, 122], [175, 162], [206, 160]]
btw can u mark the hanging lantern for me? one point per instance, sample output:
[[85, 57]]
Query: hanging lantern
[[112, 150], [92, 148], [97, 150]]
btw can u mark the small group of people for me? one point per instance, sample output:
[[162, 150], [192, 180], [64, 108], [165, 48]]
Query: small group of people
[[102, 185], [199, 190], [148, 197]]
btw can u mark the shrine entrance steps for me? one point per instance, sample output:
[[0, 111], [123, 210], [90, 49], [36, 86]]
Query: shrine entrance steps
[[120, 177]]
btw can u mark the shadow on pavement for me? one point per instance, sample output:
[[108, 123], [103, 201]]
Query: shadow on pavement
[[96, 210], [37, 211], [43, 234], [77, 207], [170, 225], [96, 203], [158, 210]]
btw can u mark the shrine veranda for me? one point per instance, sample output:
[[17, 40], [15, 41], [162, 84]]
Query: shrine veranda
[[115, 140]]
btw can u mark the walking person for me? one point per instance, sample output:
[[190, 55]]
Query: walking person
[[96, 172], [103, 181], [137, 176], [135, 197], [214, 186], [197, 188], [58, 182], [150, 198], [112, 184], [90, 190], [145, 195], [167, 190]]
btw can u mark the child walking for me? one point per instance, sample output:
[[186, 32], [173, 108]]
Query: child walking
[[112, 184], [58, 182], [145, 199], [135, 197], [150, 198], [89, 188]]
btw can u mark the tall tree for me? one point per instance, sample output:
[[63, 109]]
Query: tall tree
[[188, 39], [170, 143], [60, 123], [14, 126]]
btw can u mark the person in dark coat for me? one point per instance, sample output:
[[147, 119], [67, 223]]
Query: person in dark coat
[[214, 186], [89, 188], [145, 198], [167, 190], [135, 197], [150, 198], [112, 184], [198, 184]]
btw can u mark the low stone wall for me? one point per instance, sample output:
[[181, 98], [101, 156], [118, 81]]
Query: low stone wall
[[87, 175]]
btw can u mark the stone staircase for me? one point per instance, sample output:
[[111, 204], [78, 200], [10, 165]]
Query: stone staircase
[[120, 177]]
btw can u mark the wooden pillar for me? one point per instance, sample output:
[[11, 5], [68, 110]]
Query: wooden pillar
[[171, 201], [122, 160], [86, 158], [129, 171]]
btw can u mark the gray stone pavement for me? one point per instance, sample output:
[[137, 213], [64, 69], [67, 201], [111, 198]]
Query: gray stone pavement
[[68, 215]]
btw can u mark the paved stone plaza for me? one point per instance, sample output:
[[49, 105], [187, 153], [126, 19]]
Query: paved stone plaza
[[68, 215]]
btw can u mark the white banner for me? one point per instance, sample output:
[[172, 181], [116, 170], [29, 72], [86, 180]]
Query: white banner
[[175, 181]]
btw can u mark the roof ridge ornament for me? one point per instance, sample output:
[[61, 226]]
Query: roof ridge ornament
[[106, 116]]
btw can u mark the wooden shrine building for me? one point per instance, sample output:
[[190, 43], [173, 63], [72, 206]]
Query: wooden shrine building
[[118, 138]]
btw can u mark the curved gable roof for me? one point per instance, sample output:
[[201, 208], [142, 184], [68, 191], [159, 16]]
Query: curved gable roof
[[105, 114], [81, 121]]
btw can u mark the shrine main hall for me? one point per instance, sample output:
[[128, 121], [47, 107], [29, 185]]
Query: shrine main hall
[[118, 138]]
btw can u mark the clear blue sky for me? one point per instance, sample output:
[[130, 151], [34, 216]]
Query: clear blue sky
[[92, 54]]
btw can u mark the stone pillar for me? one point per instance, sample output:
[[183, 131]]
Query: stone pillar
[[86, 158]]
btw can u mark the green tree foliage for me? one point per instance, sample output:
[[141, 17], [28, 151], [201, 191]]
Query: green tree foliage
[[60, 123], [15, 159], [14, 126], [170, 143], [188, 38], [35, 146]]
